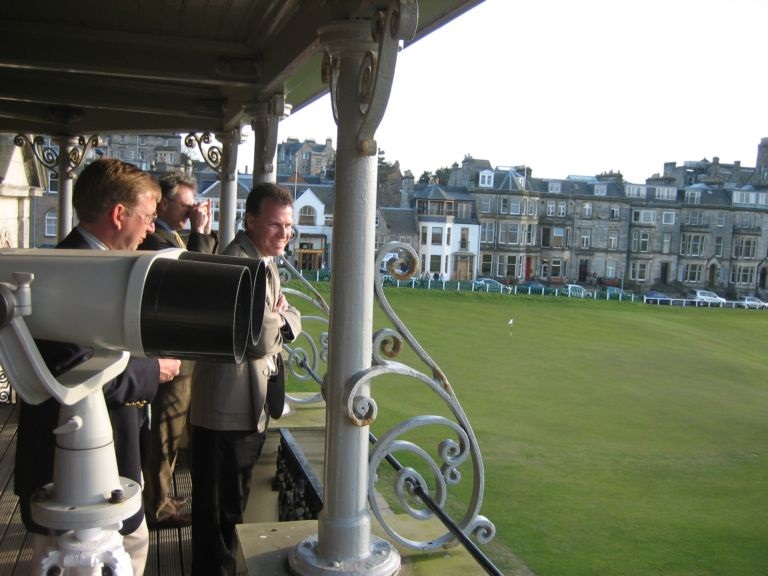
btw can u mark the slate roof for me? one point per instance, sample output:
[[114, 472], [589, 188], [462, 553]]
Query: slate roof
[[400, 220], [438, 192], [323, 189], [710, 196]]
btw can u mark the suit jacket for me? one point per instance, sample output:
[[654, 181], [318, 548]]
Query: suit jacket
[[229, 396], [125, 396], [162, 238]]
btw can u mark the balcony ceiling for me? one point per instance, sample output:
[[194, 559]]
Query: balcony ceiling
[[106, 66]]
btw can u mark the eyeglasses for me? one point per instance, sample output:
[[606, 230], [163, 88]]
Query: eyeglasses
[[147, 218]]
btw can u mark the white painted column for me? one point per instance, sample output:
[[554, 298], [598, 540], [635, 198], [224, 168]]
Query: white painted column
[[230, 140], [264, 124], [66, 145], [344, 529], [360, 72]]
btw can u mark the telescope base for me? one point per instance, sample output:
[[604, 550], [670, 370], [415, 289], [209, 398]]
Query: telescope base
[[49, 512], [383, 560], [88, 553]]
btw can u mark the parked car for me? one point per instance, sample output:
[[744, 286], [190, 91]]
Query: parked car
[[655, 297], [750, 302], [531, 287], [575, 291], [614, 293], [490, 285], [706, 298]]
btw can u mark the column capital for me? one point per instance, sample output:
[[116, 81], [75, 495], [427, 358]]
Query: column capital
[[377, 41]]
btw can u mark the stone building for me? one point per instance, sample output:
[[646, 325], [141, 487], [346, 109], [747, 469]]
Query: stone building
[[22, 188], [307, 158], [699, 225]]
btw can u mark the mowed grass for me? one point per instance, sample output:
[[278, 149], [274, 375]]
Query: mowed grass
[[617, 438]]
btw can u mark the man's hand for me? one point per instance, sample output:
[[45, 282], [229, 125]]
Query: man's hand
[[169, 369], [281, 304], [200, 217]]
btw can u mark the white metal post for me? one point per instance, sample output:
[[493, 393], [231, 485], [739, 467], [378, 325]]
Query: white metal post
[[344, 544], [66, 145], [230, 140]]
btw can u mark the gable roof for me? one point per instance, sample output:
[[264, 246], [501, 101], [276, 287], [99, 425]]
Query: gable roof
[[438, 192]]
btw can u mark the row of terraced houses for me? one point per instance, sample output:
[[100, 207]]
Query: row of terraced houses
[[700, 224]]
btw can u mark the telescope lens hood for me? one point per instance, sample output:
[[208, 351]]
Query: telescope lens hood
[[196, 311], [258, 279]]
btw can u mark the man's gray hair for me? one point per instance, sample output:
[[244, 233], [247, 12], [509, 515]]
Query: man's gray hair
[[170, 182]]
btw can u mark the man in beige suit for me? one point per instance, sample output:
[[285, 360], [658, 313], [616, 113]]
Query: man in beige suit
[[232, 403]]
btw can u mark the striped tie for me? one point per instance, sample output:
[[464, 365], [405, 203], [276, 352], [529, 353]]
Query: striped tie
[[179, 240]]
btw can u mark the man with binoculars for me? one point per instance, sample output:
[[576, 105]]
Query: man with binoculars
[[176, 208]]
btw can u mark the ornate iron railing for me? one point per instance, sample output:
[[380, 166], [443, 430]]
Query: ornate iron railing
[[445, 463]]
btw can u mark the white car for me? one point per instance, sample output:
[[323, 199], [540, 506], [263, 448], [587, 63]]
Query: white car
[[490, 285], [750, 302], [576, 291], [706, 297]]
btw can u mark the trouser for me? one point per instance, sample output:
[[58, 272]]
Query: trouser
[[221, 484], [168, 424]]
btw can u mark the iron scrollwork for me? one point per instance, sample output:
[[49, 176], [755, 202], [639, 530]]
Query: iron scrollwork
[[441, 468], [212, 154], [48, 157], [307, 358]]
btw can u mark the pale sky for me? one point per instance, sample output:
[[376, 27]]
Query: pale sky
[[574, 87]]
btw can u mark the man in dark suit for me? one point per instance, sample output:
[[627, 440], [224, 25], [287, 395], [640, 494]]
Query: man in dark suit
[[177, 207], [115, 204]]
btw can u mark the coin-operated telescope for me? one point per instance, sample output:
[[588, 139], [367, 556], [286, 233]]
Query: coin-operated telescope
[[172, 304]]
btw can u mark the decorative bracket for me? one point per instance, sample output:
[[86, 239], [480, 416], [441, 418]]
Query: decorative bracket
[[398, 22], [49, 158], [265, 124], [212, 154]]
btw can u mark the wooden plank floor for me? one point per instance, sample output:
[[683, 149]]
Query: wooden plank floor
[[15, 551], [170, 550]]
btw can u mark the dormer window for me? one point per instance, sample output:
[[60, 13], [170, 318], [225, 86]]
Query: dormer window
[[307, 216], [486, 179], [634, 191], [601, 189], [554, 188]]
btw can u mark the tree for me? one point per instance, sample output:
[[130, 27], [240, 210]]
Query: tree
[[442, 175], [383, 161]]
